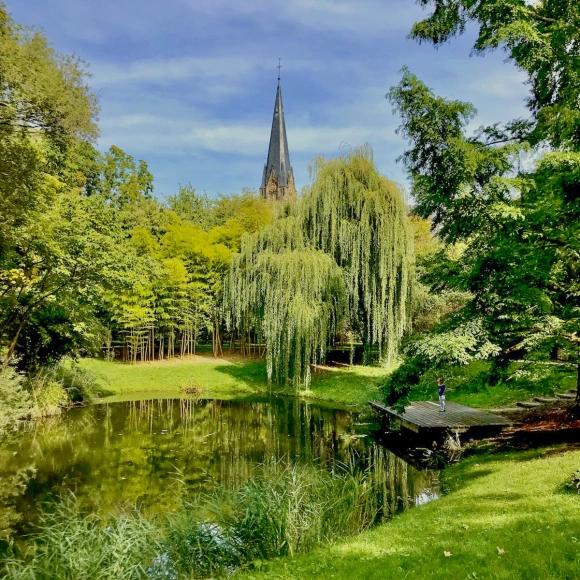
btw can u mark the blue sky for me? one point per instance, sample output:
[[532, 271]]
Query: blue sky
[[189, 85]]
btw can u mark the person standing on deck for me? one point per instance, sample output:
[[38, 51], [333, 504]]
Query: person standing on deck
[[441, 385]]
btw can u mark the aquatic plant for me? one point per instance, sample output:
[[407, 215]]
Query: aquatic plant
[[69, 545], [286, 509]]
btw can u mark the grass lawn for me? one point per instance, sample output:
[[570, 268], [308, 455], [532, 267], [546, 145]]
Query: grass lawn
[[235, 376], [505, 517], [230, 377], [467, 384]]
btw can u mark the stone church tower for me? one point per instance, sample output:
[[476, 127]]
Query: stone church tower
[[278, 178]]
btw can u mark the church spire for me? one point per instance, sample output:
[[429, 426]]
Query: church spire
[[278, 178]]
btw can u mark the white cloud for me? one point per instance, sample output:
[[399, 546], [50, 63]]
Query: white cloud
[[151, 134], [160, 71]]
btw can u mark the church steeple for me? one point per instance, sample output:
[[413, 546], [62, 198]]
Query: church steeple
[[278, 179]]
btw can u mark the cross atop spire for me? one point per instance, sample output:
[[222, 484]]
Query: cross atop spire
[[278, 178], [279, 67]]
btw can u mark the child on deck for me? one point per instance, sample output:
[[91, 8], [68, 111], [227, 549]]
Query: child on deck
[[441, 385]]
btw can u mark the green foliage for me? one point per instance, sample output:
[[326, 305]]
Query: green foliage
[[341, 256], [73, 545], [518, 228], [459, 346], [541, 38], [50, 397], [57, 387], [358, 217], [469, 384], [122, 182], [52, 277], [15, 401], [43, 92], [300, 294], [80, 384], [192, 207], [285, 509], [457, 181]]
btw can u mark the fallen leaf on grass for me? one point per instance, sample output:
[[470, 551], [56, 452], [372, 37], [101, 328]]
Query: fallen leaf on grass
[[447, 554], [500, 550]]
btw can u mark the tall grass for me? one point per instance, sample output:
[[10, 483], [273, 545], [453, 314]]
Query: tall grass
[[286, 509], [70, 546]]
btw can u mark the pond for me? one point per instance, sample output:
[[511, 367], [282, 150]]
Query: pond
[[152, 453]]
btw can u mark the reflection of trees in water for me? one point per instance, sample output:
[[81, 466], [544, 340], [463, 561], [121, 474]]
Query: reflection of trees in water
[[398, 484], [154, 453], [14, 480]]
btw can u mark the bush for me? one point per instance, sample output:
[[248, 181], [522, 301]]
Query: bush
[[49, 396], [15, 402], [81, 385], [62, 385]]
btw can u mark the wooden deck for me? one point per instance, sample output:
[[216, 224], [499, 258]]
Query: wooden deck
[[424, 417]]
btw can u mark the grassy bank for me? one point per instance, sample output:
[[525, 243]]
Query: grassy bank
[[230, 377], [236, 376], [505, 517], [468, 384]]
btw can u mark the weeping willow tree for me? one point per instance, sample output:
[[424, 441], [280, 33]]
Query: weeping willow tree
[[358, 217], [341, 256]]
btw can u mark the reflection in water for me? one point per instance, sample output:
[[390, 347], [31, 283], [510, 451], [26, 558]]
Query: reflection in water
[[153, 453]]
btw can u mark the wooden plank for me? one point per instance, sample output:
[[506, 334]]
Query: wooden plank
[[426, 415]]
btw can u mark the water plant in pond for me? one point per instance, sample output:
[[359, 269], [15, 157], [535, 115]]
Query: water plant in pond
[[286, 509]]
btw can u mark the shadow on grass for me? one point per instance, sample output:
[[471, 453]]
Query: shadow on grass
[[251, 372]]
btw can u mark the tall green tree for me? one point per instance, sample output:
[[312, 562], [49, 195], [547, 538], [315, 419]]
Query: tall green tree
[[519, 228], [47, 120], [340, 257]]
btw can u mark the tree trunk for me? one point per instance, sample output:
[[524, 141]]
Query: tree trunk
[[499, 369], [217, 345], [578, 386], [14, 341]]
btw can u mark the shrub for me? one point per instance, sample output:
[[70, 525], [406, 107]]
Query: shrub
[[59, 386], [81, 385], [15, 402]]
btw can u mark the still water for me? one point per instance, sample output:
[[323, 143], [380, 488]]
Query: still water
[[152, 453]]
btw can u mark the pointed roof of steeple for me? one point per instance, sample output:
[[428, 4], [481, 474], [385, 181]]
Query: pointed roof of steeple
[[278, 155]]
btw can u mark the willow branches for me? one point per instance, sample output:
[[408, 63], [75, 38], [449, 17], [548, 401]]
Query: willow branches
[[341, 257]]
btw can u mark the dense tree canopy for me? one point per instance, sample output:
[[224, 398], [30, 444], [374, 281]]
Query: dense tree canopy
[[87, 254], [518, 227]]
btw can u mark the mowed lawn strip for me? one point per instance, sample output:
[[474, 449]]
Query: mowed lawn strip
[[231, 377], [505, 517]]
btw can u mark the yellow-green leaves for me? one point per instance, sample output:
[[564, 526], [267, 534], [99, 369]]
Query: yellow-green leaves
[[341, 258]]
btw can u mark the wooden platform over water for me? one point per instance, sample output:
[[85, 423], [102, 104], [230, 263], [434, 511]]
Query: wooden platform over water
[[424, 417]]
